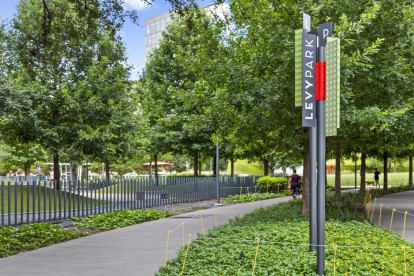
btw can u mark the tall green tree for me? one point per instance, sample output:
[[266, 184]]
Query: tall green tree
[[54, 49], [176, 96]]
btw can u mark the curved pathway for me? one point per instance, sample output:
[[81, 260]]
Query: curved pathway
[[384, 215], [134, 250]]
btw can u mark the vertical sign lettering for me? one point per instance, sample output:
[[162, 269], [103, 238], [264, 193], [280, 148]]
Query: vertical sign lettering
[[308, 80]]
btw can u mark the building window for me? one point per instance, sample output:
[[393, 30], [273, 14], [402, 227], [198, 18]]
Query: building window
[[148, 29], [162, 25], [157, 26]]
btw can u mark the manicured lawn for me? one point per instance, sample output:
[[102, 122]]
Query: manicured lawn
[[394, 179], [28, 198]]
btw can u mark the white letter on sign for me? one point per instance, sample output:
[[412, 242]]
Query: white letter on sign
[[325, 33], [308, 106]]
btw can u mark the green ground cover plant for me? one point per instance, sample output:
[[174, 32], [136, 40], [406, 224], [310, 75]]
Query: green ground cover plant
[[28, 237], [277, 238], [251, 197], [120, 218]]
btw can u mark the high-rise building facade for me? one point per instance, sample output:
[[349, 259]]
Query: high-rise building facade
[[153, 30], [156, 25]]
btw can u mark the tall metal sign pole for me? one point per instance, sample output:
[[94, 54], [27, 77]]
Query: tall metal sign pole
[[217, 172], [324, 30], [316, 73]]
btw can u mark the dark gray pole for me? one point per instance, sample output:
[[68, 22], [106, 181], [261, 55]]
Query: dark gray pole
[[312, 188], [217, 171], [321, 179]]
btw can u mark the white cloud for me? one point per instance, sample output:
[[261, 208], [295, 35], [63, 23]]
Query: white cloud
[[136, 5]]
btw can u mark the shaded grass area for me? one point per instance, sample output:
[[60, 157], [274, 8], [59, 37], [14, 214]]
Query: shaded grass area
[[28, 198], [394, 179], [274, 241], [246, 167]]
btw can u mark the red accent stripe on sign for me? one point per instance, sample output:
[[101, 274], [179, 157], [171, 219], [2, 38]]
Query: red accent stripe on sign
[[320, 83]]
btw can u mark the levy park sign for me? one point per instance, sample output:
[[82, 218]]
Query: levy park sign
[[317, 91]]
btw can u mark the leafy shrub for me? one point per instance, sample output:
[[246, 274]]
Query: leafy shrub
[[120, 218], [28, 237], [349, 206], [251, 197], [272, 184]]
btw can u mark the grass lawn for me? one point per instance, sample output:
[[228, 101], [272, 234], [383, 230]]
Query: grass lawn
[[21, 198], [394, 179], [244, 167]]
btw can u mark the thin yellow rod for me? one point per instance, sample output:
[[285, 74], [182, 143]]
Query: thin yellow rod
[[334, 260], [405, 220], [202, 224], [373, 209], [379, 220], [186, 254], [168, 241], [255, 256], [392, 217]]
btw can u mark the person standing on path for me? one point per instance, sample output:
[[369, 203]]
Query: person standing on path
[[294, 184], [376, 177]]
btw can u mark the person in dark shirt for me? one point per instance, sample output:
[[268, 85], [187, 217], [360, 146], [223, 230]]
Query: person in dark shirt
[[294, 184], [376, 177]]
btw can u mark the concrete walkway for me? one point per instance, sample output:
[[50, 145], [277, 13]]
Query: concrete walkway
[[401, 203], [141, 249], [134, 250]]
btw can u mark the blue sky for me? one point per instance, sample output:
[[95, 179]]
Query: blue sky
[[133, 35]]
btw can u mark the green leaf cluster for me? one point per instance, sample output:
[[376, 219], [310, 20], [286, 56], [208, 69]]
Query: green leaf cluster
[[28, 237], [250, 197], [120, 218]]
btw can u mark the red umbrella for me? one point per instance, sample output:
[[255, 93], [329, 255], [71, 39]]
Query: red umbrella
[[159, 163]]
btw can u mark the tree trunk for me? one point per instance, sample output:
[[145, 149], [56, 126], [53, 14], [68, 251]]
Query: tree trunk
[[196, 163], [156, 168], [107, 172], [56, 171], [232, 167], [362, 172], [338, 172], [27, 170], [385, 171], [266, 166], [306, 179], [214, 166], [72, 173], [199, 167], [410, 170]]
